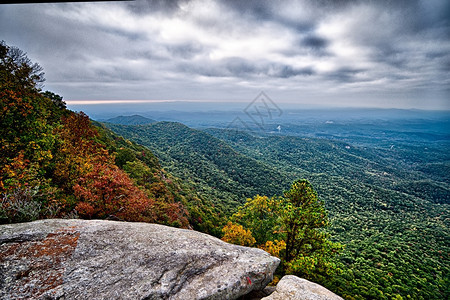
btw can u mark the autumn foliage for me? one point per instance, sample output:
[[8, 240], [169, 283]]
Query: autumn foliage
[[106, 191], [291, 228], [236, 234], [54, 162], [274, 247]]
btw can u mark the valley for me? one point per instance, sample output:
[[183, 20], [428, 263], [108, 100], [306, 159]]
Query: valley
[[384, 183]]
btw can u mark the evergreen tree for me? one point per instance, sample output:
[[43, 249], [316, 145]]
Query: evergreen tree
[[308, 251]]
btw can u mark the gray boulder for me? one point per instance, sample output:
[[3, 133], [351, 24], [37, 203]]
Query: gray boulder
[[294, 288], [80, 259]]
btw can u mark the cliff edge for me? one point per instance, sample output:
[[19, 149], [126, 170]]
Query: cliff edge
[[96, 259]]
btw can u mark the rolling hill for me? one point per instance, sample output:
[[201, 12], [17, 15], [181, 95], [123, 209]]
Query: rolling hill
[[211, 165], [391, 215], [130, 120]]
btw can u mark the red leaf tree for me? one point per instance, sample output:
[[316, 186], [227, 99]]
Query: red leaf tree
[[108, 192]]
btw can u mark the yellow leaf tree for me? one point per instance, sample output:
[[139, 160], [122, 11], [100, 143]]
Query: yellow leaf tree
[[237, 234]]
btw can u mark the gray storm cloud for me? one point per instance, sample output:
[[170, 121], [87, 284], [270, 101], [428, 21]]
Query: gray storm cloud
[[297, 50]]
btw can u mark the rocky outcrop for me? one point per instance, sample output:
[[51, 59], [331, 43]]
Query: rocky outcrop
[[295, 288], [79, 259]]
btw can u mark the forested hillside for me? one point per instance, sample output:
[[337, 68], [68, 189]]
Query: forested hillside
[[56, 163], [389, 231], [396, 237], [130, 120], [210, 165]]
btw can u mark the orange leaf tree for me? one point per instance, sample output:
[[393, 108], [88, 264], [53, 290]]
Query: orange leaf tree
[[107, 192]]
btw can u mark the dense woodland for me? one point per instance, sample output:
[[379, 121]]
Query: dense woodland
[[388, 209], [395, 238], [374, 224], [56, 163]]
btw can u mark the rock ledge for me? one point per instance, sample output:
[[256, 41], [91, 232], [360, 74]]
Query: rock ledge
[[80, 259], [295, 288]]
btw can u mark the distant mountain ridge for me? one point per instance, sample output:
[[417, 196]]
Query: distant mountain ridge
[[130, 120]]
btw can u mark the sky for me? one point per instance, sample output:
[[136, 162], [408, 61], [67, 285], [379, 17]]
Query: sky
[[302, 53]]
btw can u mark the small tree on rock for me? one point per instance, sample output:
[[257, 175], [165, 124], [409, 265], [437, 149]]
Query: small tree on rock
[[292, 228]]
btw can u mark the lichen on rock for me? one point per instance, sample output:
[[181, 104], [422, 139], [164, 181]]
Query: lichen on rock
[[80, 259]]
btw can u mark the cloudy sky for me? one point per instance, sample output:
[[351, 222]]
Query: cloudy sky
[[332, 53]]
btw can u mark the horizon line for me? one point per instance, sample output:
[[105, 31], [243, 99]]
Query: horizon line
[[218, 102]]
